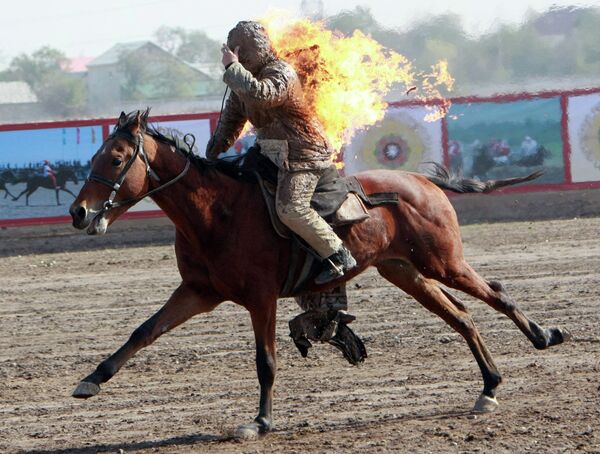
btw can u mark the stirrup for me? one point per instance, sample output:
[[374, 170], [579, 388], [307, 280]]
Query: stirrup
[[331, 273], [336, 265]]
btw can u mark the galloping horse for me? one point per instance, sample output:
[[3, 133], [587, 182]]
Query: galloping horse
[[536, 159], [39, 181], [7, 176], [227, 250]]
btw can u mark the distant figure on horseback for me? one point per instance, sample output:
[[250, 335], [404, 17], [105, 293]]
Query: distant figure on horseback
[[48, 172], [267, 92], [49, 179]]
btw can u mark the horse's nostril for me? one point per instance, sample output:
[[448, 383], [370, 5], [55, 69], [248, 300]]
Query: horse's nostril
[[80, 212]]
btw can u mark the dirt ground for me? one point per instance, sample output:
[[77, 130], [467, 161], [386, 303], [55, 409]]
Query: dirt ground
[[63, 312]]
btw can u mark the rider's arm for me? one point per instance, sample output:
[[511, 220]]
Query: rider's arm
[[229, 127], [270, 90]]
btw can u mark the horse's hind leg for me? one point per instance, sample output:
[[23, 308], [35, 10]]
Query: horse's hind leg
[[494, 294], [183, 304], [19, 196], [453, 312]]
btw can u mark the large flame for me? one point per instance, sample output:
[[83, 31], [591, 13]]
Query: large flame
[[346, 79]]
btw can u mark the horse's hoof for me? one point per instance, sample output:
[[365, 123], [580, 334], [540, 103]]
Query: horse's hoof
[[557, 336], [566, 334], [485, 404], [86, 389], [247, 432]]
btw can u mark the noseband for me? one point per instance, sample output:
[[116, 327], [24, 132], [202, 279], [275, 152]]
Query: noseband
[[115, 185]]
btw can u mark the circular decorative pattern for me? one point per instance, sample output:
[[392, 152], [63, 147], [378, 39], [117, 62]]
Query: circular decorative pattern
[[590, 136], [397, 142], [392, 151]]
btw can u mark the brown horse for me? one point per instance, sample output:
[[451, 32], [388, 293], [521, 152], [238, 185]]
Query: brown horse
[[227, 250], [38, 181]]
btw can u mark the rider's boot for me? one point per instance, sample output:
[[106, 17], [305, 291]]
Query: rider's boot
[[335, 266]]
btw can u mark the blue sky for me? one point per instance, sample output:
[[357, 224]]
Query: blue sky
[[19, 148]]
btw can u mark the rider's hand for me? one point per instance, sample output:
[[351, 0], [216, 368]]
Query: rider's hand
[[230, 56]]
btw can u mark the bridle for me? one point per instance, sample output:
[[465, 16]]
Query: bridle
[[115, 185]]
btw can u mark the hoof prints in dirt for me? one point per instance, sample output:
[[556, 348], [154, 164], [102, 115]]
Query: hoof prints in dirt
[[195, 385]]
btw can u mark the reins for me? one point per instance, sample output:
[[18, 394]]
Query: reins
[[115, 185]]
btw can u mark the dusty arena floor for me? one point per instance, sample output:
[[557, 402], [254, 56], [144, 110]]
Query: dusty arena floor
[[62, 313]]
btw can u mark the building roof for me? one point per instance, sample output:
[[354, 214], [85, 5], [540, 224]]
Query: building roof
[[17, 92], [112, 55], [77, 64]]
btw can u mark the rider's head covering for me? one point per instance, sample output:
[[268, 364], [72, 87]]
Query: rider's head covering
[[255, 46], [46, 162]]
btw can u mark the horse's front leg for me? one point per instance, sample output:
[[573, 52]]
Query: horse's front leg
[[8, 193], [263, 323], [184, 303], [57, 198]]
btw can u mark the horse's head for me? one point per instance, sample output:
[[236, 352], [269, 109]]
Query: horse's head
[[8, 176], [118, 176]]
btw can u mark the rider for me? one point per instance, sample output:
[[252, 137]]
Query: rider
[[528, 147], [48, 172], [267, 92]]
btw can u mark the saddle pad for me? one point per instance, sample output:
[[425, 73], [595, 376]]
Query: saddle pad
[[351, 211]]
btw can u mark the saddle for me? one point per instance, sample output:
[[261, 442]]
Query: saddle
[[340, 201], [335, 199]]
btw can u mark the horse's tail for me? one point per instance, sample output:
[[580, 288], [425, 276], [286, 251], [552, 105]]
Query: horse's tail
[[443, 179]]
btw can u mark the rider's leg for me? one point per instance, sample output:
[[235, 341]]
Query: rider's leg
[[294, 192]]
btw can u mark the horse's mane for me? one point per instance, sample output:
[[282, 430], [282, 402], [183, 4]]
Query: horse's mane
[[230, 168], [124, 125]]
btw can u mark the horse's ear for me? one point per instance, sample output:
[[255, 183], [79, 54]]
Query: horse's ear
[[138, 124], [122, 120], [145, 116]]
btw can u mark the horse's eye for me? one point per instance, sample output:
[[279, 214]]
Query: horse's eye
[[116, 162]]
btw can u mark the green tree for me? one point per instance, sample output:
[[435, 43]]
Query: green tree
[[360, 18], [153, 74], [193, 46], [559, 43], [45, 72]]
